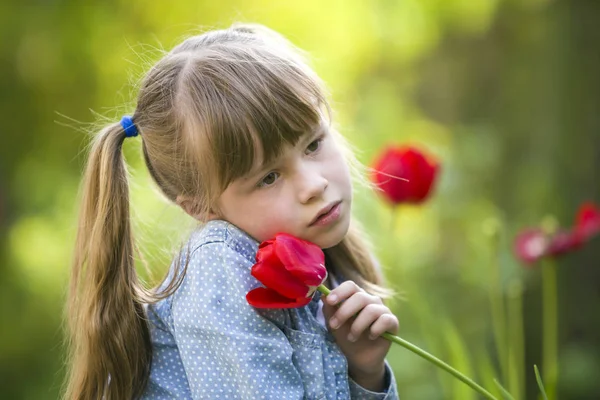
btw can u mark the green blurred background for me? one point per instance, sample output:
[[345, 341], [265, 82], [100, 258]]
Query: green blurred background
[[505, 93]]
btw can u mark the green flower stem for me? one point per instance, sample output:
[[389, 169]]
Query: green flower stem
[[429, 357], [550, 323], [517, 341], [505, 394], [498, 310]]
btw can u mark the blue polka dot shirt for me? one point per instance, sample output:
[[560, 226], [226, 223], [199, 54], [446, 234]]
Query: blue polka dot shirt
[[209, 343]]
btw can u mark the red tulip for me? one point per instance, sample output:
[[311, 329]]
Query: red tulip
[[290, 268], [587, 222], [396, 165]]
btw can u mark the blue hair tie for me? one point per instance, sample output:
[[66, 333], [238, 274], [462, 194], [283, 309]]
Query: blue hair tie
[[128, 126]]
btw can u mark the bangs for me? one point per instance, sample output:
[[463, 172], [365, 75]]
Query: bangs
[[249, 109]]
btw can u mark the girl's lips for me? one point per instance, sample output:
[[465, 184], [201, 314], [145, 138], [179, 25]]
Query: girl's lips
[[330, 216]]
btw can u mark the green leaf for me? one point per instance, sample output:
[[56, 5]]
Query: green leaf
[[538, 378]]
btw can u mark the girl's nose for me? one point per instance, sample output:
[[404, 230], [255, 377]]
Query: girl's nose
[[312, 185]]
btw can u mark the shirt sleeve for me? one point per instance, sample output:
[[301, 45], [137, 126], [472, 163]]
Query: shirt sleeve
[[357, 392], [228, 350]]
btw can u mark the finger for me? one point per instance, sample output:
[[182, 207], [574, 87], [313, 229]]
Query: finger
[[366, 317], [343, 292], [328, 310], [386, 322], [349, 308]]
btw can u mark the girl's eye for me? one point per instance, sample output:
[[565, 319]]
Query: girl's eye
[[269, 179], [314, 145]]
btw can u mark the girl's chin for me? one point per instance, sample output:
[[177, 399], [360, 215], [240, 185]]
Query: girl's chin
[[331, 238]]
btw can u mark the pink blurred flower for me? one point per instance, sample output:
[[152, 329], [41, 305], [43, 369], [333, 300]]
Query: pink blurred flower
[[533, 244]]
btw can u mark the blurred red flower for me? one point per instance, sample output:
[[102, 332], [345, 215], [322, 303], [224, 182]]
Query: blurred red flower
[[290, 268], [532, 244], [395, 164], [563, 242]]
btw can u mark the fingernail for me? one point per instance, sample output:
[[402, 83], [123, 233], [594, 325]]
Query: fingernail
[[372, 337], [351, 337], [333, 322], [332, 298]]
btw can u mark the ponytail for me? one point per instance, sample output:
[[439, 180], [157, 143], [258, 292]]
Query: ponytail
[[110, 346]]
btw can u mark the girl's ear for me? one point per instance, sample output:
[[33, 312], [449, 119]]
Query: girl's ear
[[192, 208]]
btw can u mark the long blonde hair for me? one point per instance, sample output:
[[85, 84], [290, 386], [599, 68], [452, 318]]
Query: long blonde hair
[[204, 111]]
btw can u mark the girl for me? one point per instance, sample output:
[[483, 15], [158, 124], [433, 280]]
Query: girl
[[235, 129]]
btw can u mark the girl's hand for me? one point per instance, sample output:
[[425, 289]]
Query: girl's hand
[[356, 324]]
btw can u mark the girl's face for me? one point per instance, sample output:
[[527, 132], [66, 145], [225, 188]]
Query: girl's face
[[290, 194]]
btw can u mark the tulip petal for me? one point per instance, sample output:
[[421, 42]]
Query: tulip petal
[[563, 242], [266, 251], [426, 171], [391, 172], [414, 162], [587, 222], [303, 259], [268, 298], [275, 276]]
